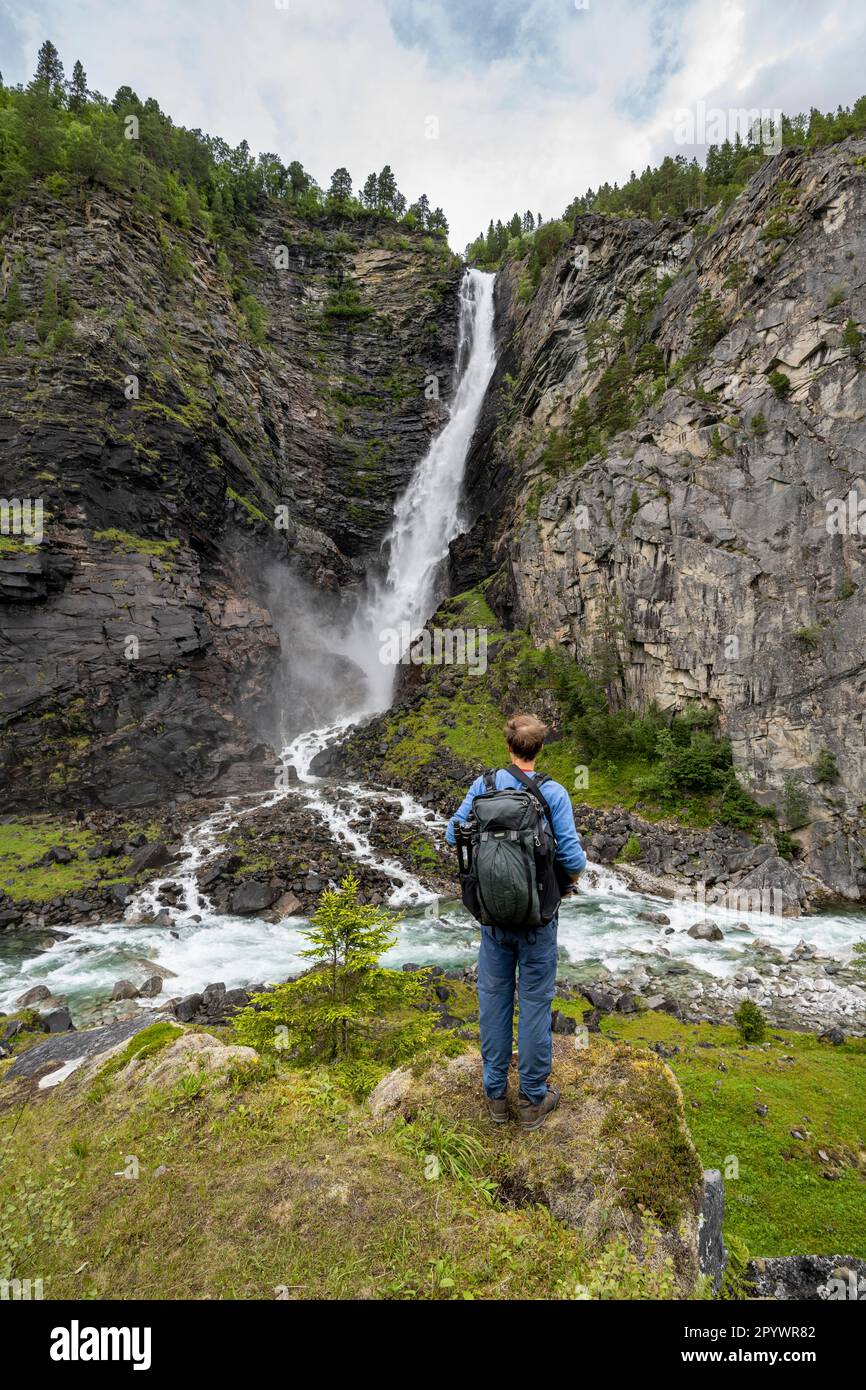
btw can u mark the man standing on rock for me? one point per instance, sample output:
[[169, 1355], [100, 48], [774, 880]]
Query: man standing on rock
[[522, 850]]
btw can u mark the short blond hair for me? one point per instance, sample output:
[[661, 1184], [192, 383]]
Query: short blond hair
[[525, 735]]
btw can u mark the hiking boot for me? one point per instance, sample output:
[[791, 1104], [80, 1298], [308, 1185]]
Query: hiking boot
[[498, 1110], [532, 1116]]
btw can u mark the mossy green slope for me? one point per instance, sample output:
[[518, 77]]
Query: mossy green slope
[[782, 1197], [272, 1182]]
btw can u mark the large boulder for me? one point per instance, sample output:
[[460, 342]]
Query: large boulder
[[774, 886], [589, 1162], [287, 905], [58, 1021], [706, 931], [188, 1056], [125, 989], [253, 896], [154, 855], [32, 996]]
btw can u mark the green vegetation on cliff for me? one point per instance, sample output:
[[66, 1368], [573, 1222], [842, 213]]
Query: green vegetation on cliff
[[661, 765], [677, 183], [68, 137]]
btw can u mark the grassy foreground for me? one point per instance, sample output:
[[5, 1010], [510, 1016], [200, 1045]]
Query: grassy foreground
[[783, 1195], [165, 1176], [275, 1181]]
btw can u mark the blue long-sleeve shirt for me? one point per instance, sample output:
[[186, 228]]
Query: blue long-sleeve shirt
[[569, 850]]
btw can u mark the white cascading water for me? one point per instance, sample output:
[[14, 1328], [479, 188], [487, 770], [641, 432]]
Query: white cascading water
[[427, 516]]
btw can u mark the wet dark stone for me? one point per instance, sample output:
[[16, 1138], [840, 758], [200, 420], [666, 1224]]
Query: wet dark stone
[[88, 1043]]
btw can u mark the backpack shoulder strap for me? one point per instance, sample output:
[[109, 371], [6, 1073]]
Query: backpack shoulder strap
[[490, 780], [532, 786]]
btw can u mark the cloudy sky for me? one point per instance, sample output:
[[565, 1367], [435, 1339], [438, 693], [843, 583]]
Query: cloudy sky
[[487, 105]]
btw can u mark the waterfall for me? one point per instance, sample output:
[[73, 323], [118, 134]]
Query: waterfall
[[427, 516]]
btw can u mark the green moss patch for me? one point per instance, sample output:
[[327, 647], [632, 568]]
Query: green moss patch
[[25, 842], [142, 1045], [125, 542]]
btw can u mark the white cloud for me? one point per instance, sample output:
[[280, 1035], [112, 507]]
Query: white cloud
[[558, 102]]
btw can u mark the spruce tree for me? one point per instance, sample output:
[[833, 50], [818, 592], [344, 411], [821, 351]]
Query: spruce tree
[[49, 69], [340, 191], [299, 179], [708, 323], [421, 211], [78, 87], [387, 190]]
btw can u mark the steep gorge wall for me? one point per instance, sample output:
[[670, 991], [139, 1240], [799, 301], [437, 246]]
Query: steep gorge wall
[[164, 437], [704, 526]]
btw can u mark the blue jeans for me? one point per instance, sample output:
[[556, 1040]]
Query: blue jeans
[[502, 957]]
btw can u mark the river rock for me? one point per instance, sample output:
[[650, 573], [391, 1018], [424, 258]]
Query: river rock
[[125, 989], [706, 931], [151, 856], [58, 1021], [32, 996], [252, 896], [601, 999], [186, 1009], [287, 905]]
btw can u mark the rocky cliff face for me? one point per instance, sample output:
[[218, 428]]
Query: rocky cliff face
[[715, 540], [188, 451]]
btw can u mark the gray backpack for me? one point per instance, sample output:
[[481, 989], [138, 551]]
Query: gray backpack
[[506, 853]]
